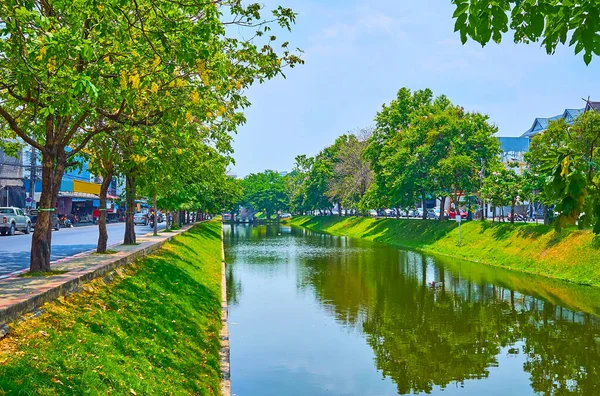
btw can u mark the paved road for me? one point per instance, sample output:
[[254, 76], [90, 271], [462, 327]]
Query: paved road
[[15, 250]]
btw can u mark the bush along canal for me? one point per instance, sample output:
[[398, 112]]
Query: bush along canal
[[319, 314], [153, 330]]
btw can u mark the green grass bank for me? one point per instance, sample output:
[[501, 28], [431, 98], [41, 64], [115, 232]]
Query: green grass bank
[[572, 255], [153, 329]]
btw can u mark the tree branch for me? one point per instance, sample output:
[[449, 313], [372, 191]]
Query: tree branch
[[15, 127], [75, 127]]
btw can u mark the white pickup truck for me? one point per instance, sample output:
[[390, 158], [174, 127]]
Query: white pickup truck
[[13, 219]]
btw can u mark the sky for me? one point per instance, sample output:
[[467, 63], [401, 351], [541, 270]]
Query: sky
[[358, 54]]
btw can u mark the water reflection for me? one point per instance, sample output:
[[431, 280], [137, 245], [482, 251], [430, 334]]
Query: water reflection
[[481, 329]]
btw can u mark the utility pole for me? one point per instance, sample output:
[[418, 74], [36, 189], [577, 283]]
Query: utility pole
[[32, 176]]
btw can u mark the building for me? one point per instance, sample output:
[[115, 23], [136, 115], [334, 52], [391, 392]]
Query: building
[[79, 192], [541, 124], [513, 151], [11, 179]]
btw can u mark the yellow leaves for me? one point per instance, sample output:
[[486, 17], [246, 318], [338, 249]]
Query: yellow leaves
[[154, 88], [138, 159], [107, 59], [238, 85], [221, 110], [179, 151], [123, 79], [51, 65], [135, 138], [195, 97], [180, 82], [200, 66], [157, 61], [167, 94], [189, 117], [204, 78], [134, 79], [565, 166], [209, 115], [100, 7], [42, 54]]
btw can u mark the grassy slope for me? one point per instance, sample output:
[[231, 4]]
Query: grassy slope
[[572, 255], [154, 330]]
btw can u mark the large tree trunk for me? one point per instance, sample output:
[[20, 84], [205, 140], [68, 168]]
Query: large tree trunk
[[129, 238], [41, 241], [155, 225], [512, 213], [546, 216], [102, 231], [175, 224], [424, 205], [442, 208]]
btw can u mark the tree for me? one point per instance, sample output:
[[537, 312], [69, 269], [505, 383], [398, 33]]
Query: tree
[[574, 179], [265, 191], [390, 122], [551, 22], [436, 151], [351, 170], [504, 187], [553, 138], [71, 71], [296, 184]]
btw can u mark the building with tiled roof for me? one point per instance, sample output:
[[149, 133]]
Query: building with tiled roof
[[592, 106], [541, 124]]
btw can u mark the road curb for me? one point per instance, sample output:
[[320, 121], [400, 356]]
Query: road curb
[[70, 283]]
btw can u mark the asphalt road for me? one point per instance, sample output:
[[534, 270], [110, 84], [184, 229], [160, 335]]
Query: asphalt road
[[15, 250]]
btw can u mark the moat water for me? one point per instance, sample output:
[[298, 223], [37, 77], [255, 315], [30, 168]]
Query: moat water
[[315, 314]]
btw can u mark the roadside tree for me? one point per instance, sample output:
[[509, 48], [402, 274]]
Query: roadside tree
[[551, 22]]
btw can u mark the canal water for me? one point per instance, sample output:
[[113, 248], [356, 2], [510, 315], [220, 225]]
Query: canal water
[[314, 314]]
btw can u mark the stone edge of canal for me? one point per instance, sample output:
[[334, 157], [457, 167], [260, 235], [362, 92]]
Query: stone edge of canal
[[224, 333]]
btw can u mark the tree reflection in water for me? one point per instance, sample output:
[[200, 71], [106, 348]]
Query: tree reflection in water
[[425, 337]]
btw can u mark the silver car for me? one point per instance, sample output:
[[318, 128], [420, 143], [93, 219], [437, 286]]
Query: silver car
[[140, 218]]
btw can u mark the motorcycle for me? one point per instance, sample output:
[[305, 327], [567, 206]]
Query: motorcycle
[[64, 222], [151, 221]]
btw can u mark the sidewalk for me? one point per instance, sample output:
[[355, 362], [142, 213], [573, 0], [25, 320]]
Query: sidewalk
[[19, 295]]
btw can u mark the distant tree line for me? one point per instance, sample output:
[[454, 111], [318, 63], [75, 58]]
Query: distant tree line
[[424, 147]]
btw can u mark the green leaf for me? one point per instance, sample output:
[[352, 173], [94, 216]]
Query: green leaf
[[460, 22], [587, 57], [537, 24], [460, 9]]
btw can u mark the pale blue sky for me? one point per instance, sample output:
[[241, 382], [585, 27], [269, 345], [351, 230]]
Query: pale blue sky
[[359, 53]]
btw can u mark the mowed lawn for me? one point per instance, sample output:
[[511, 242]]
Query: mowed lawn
[[153, 330]]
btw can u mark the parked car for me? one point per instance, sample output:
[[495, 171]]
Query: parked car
[[285, 215], [373, 213], [13, 219], [33, 215], [463, 214], [433, 213], [140, 218], [390, 212]]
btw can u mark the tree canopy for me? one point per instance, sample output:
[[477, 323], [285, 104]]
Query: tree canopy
[[551, 22]]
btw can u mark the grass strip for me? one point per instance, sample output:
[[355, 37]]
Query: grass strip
[[572, 254], [153, 330]]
